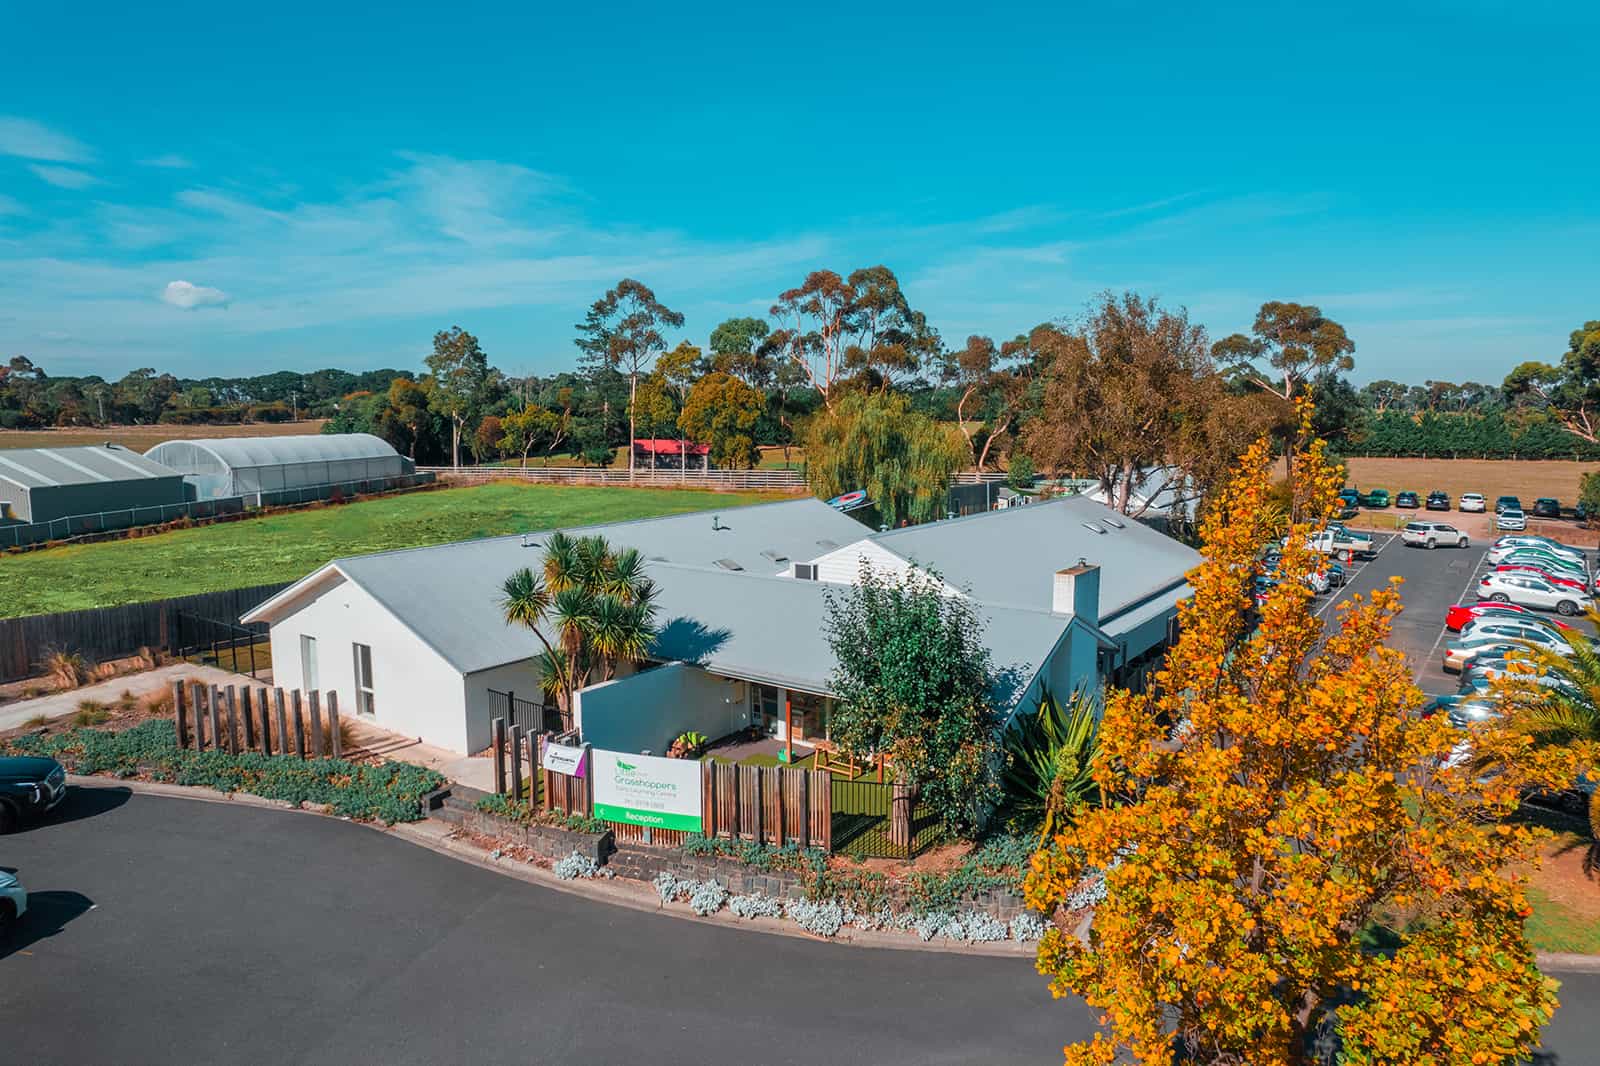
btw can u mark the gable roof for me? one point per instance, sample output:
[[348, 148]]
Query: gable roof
[[448, 594], [83, 464], [1008, 557]]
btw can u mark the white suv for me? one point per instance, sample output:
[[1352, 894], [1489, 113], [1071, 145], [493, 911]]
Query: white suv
[[1511, 519], [1473, 501], [1433, 534], [1530, 590]]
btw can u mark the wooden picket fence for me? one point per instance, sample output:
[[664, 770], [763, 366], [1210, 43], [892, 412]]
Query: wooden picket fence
[[225, 718], [775, 805]]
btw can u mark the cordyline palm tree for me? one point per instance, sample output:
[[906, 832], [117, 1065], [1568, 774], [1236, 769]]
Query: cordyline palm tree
[[590, 606], [1561, 708], [1050, 756]]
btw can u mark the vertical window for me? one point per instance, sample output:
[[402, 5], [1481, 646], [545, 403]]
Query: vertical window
[[308, 663], [363, 675]]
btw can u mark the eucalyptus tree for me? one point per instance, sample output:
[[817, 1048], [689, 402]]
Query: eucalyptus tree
[[622, 332]]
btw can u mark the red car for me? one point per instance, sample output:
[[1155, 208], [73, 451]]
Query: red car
[[1523, 568], [1458, 616]]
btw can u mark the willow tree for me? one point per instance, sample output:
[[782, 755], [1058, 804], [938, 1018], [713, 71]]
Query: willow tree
[[875, 442]]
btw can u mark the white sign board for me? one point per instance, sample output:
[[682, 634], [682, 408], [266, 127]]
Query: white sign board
[[646, 790], [563, 759]]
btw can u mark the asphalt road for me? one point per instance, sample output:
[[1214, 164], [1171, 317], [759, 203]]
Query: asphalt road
[[177, 931]]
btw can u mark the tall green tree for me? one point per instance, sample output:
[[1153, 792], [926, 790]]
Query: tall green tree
[[459, 373], [1571, 388], [622, 332], [738, 348], [863, 327], [874, 441], [1288, 345], [914, 682], [721, 412]]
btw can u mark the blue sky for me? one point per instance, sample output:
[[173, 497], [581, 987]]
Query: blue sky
[[331, 187]]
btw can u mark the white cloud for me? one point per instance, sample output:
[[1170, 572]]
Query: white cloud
[[189, 297], [169, 161], [63, 177], [30, 140]]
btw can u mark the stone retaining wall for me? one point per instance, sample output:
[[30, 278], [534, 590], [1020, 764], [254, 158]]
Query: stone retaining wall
[[639, 862]]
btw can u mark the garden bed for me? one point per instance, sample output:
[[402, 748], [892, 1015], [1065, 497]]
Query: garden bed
[[384, 792]]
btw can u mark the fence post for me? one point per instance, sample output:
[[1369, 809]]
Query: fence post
[[805, 808], [315, 696], [283, 720], [266, 720], [233, 723], [516, 764], [195, 697], [299, 726], [535, 772], [333, 726], [497, 738], [181, 713], [248, 707], [214, 712]]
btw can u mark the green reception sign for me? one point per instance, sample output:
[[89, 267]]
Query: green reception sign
[[646, 790]]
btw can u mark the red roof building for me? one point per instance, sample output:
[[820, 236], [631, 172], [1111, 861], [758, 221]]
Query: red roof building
[[657, 446]]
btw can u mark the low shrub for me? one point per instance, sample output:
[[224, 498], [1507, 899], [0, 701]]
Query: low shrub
[[756, 905], [576, 865], [385, 792], [822, 919], [90, 712], [512, 811], [1000, 863], [762, 856], [67, 669]]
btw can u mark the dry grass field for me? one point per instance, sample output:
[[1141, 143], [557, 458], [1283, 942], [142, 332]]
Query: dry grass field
[[1526, 479], [143, 438]]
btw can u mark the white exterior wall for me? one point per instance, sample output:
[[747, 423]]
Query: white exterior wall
[[415, 692], [647, 711], [521, 679], [843, 565]]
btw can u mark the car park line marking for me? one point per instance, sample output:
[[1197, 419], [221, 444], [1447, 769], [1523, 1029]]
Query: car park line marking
[[1350, 574], [1472, 578]]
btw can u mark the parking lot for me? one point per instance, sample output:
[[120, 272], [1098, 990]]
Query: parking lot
[[1433, 581]]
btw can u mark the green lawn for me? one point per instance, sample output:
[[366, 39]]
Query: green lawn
[[1557, 927], [286, 546]]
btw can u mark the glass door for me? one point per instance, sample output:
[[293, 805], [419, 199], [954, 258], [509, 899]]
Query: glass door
[[768, 709]]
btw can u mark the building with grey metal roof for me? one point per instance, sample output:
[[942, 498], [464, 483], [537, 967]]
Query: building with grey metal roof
[[242, 466], [43, 484], [742, 598]]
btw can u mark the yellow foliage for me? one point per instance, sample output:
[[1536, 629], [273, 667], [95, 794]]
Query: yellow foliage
[[1276, 796]]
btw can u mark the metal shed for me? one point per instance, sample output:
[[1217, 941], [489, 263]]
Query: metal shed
[[244, 466], [43, 484]]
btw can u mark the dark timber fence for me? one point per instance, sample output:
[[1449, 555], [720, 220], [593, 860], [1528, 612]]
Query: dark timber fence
[[113, 632]]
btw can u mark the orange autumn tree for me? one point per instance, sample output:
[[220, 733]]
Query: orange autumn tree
[[1274, 802]]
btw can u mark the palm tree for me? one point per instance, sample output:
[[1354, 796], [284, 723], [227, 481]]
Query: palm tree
[[591, 607], [1562, 707]]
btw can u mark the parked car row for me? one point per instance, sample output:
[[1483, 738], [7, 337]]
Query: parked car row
[[1351, 500], [1538, 573]]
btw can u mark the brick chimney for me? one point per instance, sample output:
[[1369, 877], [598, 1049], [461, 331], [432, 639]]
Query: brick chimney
[[1076, 591]]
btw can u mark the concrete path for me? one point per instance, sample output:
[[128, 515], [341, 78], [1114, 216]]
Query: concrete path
[[59, 704], [475, 772]]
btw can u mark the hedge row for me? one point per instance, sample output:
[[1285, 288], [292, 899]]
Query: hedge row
[[1464, 436], [386, 792]]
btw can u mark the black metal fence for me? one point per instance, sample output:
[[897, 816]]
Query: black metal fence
[[861, 815], [242, 649], [534, 716]]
